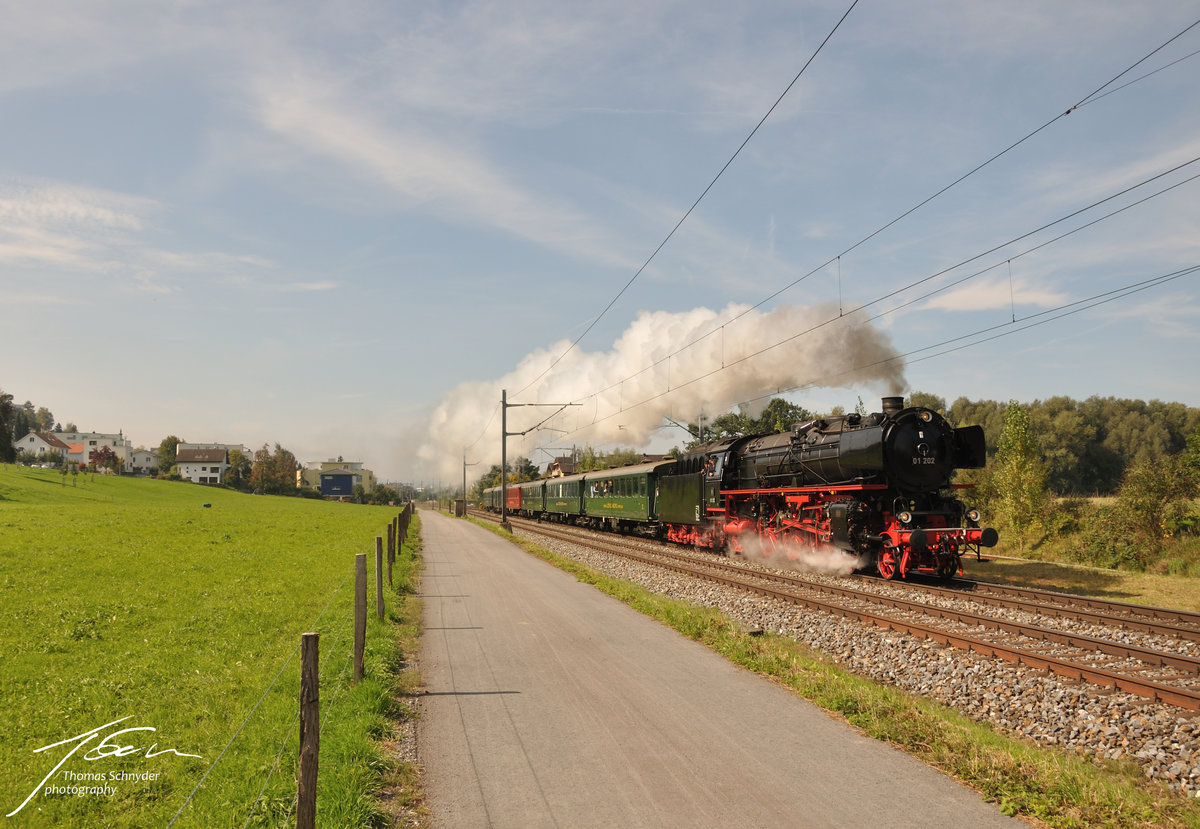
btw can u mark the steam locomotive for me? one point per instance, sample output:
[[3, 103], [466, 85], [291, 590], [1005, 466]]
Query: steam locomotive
[[876, 488]]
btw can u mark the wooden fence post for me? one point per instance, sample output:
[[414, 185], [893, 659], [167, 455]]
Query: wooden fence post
[[391, 549], [360, 613], [310, 731], [379, 577]]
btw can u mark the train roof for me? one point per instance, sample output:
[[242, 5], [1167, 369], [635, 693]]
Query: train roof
[[632, 469], [613, 472]]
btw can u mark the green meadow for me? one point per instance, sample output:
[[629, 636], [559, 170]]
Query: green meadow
[[179, 608]]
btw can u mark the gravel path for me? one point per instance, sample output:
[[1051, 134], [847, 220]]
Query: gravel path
[[1021, 700]]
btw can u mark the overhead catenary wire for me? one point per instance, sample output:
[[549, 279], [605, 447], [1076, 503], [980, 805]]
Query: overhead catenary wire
[[944, 271], [1100, 92], [688, 213], [1074, 307], [1084, 101]]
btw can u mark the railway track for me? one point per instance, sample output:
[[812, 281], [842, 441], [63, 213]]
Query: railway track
[[1150, 652]]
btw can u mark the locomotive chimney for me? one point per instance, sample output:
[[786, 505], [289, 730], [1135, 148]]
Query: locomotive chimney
[[892, 405]]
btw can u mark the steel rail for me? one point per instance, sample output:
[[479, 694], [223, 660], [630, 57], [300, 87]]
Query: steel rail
[[997, 592], [1179, 697]]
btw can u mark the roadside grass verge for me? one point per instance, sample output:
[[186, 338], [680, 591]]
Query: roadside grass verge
[[181, 607], [1052, 786]]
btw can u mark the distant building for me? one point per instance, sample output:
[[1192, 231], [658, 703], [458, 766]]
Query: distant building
[[39, 443], [204, 463], [312, 473], [141, 462], [83, 444], [339, 483], [560, 466], [201, 466]]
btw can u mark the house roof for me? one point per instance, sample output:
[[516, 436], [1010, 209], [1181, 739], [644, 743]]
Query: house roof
[[200, 455], [51, 440]]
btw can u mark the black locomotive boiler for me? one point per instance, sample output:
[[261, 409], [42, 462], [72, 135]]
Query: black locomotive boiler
[[877, 487]]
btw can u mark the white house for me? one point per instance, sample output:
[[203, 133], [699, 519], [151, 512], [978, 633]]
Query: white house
[[141, 462], [84, 444], [39, 443], [201, 466], [206, 463]]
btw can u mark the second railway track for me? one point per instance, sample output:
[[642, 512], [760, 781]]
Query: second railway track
[[1158, 673]]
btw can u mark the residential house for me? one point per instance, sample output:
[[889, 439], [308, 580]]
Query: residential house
[[339, 483], [311, 474], [201, 465], [39, 443], [83, 444], [141, 462], [205, 463]]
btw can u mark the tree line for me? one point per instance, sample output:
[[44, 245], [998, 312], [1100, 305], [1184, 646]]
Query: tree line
[[1107, 481], [18, 421]]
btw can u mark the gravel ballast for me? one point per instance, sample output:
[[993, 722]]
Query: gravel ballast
[[1079, 717]]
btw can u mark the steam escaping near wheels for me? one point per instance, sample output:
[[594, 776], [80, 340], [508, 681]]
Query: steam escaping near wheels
[[803, 558]]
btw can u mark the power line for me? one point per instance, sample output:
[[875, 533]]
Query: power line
[[679, 224], [942, 272], [1067, 309], [1094, 96], [1087, 99]]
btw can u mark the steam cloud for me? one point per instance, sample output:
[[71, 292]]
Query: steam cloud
[[824, 558], [625, 392]]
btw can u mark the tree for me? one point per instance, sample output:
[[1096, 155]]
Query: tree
[[524, 470], [779, 415], [1017, 477], [283, 470], [238, 473], [590, 459], [273, 472], [927, 401], [104, 458], [260, 470], [43, 420], [1155, 495], [6, 435], [166, 453], [1191, 458]]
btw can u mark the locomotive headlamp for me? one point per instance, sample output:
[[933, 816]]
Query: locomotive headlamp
[[972, 515], [926, 417], [905, 517]]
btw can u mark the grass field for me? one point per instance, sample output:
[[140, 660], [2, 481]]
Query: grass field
[[180, 608], [1179, 592]]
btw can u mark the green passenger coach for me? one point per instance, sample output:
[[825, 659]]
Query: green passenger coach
[[621, 497], [564, 496]]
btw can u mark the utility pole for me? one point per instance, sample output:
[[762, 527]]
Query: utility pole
[[465, 465], [504, 435]]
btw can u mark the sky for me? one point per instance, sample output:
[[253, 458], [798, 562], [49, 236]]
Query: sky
[[347, 227]]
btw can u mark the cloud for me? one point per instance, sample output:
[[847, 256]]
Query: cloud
[[429, 173], [84, 230], [996, 293]]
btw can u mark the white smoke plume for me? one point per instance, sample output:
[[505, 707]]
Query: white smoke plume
[[625, 392]]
